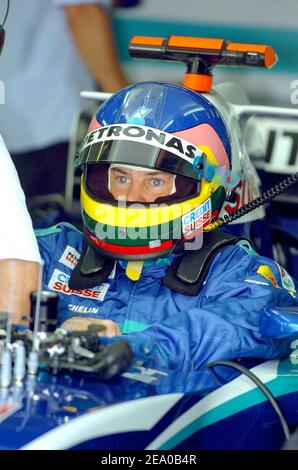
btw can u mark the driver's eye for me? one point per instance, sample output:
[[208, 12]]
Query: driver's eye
[[157, 182], [122, 179]]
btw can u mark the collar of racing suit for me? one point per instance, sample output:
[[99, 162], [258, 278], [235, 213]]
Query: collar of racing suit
[[93, 268], [185, 273]]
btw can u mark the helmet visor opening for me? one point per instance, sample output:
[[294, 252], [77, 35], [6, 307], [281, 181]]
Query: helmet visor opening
[[104, 182], [140, 154]]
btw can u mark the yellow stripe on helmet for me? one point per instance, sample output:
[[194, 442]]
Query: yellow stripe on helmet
[[138, 215]]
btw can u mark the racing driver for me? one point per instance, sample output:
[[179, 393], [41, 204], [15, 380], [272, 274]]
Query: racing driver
[[143, 268]]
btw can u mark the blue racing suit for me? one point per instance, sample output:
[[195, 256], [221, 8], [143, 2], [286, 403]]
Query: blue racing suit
[[176, 330]]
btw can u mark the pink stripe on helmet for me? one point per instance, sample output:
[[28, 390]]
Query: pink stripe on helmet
[[204, 134], [94, 124]]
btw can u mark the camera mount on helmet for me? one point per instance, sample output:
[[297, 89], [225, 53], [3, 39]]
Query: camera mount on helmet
[[201, 55]]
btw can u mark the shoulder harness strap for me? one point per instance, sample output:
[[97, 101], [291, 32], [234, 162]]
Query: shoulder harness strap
[[92, 269], [187, 273]]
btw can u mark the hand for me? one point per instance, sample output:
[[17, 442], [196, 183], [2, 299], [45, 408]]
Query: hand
[[110, 328]]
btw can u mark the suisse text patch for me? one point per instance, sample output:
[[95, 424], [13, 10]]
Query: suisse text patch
[[59, 283], [197, 218]]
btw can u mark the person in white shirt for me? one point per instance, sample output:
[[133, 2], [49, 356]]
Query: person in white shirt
[[19, 254], [47, 61]]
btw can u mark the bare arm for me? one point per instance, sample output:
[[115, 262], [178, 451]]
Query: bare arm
[[19, 254], [18, 278], [92, 33]]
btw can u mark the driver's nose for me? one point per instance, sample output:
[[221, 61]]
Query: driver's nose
[[136, 193]]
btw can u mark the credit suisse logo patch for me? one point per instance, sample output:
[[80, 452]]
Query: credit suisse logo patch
[[59, 283], [197, 218]]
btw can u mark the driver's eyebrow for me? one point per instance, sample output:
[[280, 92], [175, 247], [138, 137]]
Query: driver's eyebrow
[[125, 172]]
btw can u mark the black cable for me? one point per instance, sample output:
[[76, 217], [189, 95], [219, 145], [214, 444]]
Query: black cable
[[250, 206], [6, 14], [262, 199], [261, 386]]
